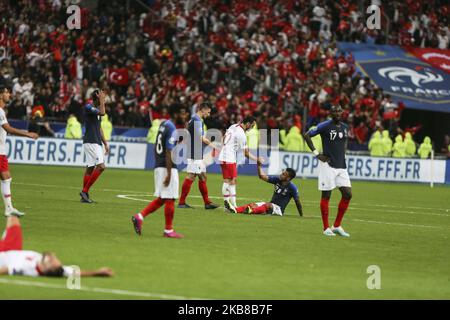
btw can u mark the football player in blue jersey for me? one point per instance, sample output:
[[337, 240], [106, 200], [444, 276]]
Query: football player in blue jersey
[[332, 168], [285, 190], [93, 142]]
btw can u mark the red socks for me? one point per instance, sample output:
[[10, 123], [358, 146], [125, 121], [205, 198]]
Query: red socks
[[343, 205], [169, 211], [86, 179], [324, 210], [152, 206], [204, 190], [257, 210], [185, 190], [93, 177]]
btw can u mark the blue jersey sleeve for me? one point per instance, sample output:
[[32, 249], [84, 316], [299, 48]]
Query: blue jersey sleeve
[[274, 180], [294, 191], [170, 139], [91, 109], [319, 129]]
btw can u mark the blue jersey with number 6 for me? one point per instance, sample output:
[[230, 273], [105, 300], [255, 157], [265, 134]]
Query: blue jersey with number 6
[[334, 141], [165, 140]]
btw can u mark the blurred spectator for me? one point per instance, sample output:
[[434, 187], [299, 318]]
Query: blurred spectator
[[73, 128], [410, 145], [398, 150], [107, 127], [425, 148], [376, 146], [39, 124]]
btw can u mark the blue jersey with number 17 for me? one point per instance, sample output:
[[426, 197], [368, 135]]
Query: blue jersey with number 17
[[334, 141], [165, 140]]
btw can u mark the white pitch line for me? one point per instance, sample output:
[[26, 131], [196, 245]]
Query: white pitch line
[[217, 197], [130, 197], [98, 290]]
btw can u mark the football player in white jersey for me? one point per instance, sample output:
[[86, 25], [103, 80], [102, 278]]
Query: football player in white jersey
[[234, 141], [5, 175], [15, 261]]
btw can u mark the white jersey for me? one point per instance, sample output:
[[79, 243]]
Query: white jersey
[[24, 263], [234, 140], [3, 121]]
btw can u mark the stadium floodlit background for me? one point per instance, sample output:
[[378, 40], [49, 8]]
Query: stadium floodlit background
[[286, 62]]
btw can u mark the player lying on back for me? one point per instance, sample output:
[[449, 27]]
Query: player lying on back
[[15, 261], [285, 189]]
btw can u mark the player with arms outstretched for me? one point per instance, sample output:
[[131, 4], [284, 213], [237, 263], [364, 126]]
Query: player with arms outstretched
[[16, 261], [92, 143], [332, 168], [5, 96], [233, 141], [285, 190], [195, 164], [165, 174]]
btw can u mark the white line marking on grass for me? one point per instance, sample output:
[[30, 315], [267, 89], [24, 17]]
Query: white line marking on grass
[[217, 197], [99, 290], [131, 197]]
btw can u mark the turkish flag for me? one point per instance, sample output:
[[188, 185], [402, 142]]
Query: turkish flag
[[118, 76], [436, 57]]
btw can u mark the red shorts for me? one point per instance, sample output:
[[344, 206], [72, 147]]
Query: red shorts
[[3, 163], [12, 239], [229, 170]]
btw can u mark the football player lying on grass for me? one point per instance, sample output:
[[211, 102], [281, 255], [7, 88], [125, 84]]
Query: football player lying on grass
[[285, 189], [15, 261]]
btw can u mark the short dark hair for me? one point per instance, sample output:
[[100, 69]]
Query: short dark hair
[[176, 108], [58, 272], [249, 119], [94, 94], [291, 173], [3, 88], [204, 105]]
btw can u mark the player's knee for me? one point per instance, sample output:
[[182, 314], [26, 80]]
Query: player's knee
[[101, 167], [347, 195]]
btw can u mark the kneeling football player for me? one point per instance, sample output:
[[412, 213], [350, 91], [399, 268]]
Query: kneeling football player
[[285, 189]]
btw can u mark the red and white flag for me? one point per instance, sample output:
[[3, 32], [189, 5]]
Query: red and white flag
[[436, 57], [118, 76]]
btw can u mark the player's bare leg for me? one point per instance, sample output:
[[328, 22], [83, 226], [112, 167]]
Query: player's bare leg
[[6, 194], [346, 193], [324, 209], [204, 191], [188, 181]]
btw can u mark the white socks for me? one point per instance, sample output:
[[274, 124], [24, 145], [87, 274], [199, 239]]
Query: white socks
[[232, 189], [140, 216], [226, 191], [6, 194]]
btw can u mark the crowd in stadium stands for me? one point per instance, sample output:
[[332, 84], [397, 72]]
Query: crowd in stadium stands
[[275, 59]]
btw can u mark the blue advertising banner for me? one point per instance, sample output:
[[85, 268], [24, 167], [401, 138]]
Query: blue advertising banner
[[417, 84]]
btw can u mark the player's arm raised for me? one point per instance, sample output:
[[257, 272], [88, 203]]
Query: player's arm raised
[[250, 156], [101, 98], [18, 132], [261, 173]]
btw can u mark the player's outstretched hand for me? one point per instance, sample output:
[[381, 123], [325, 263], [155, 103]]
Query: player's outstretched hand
[[105, 272], [323, 158], [32, 135]]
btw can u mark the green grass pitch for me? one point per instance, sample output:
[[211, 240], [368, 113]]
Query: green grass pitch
[[402, 228]]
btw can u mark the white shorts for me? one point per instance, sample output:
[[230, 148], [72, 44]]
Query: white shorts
[[169, 192], [195, 166], [276, 208], [94, 154], [330, 178]]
